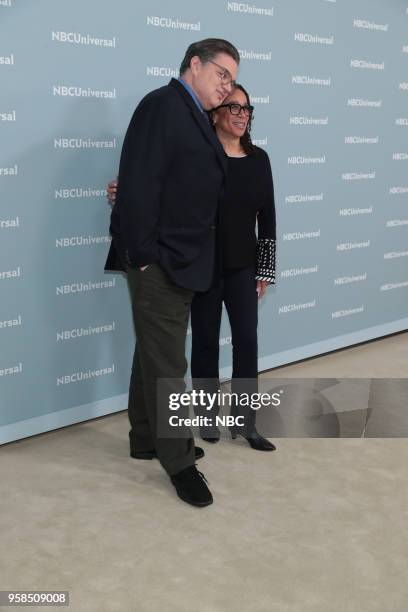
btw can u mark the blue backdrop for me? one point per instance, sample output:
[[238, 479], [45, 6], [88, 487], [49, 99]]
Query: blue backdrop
[[329, 83]]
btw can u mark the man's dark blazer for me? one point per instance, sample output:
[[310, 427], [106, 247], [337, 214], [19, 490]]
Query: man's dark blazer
[[171, 176]]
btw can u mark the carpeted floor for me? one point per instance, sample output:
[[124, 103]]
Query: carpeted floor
[[320, 525]]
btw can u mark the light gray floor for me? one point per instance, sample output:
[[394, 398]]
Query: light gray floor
[[318, 526]]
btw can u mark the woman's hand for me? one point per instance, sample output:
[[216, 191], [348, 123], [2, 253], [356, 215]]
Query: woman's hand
[[112, 189], [261, 287]]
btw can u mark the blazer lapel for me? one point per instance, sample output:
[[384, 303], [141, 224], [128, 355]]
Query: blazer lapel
[[203, 123]]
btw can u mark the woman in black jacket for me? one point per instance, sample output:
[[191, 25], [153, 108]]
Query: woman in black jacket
[[245, 266]]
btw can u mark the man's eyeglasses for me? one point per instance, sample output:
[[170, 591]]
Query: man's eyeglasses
[[224, 75], [236, 108]]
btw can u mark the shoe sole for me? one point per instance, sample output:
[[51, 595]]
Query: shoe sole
[[211, 440], [143, 455], [196, 504], [149, 456]]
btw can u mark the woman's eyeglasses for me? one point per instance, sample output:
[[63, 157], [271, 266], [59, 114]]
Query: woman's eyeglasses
[[235, 108]]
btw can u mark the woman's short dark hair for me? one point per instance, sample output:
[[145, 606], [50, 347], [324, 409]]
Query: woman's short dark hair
[[206, 50]]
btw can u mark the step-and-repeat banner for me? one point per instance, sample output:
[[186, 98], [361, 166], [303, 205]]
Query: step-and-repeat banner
[[329, 82]]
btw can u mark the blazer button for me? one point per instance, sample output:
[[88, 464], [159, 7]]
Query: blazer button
[[213, 227]]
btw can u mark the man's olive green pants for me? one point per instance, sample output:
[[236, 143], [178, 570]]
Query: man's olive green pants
[[160, 314]]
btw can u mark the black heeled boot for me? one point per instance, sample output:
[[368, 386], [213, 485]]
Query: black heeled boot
[[255, 440], [210, 435]]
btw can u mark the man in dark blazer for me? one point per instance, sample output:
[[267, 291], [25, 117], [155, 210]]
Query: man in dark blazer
[[171, 176]]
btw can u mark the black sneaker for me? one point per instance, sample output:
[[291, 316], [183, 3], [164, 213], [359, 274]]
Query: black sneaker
[[191, 488], [199, 453]]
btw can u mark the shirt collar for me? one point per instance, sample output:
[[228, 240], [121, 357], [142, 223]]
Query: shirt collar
[[192, 94]]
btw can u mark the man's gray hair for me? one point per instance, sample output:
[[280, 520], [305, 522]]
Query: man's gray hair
[[206, 50]]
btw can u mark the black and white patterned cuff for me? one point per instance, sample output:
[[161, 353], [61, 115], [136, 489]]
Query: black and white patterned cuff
[[265, 260]]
